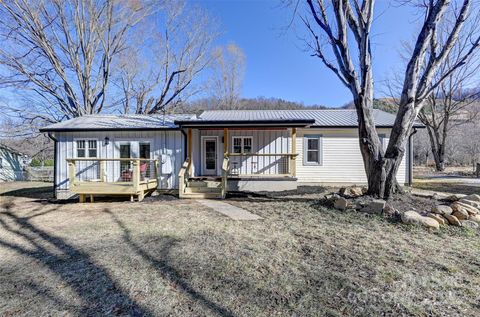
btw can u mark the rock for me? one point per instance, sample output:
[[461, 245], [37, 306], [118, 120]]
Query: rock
[[469, 224], [442, 221], [364, 190], [436, 196], [413, 217], [461, 215], [472, 197], [375, 206], [340, 203], [474, 204], [352, 192], [389, 210], [475, 218], [442, 210], [454, 197], [453, 220], [459, 206]]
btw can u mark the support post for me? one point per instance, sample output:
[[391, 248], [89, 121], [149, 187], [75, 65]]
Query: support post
[[225, 141], [103, 177], [71, 172], [189, 150], [293, 157], [136, 175]]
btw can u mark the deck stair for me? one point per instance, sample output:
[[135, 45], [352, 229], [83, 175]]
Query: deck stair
[[203, 187]]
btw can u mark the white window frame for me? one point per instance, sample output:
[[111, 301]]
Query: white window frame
[[318, 137], [242, 144], [87, 148]]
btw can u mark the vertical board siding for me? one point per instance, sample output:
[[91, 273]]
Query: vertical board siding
[[342, 159], [166, 143]]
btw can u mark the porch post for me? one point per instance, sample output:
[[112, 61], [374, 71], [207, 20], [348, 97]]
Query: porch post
[[189, 142], [71, 172], [225, 142], [293, 157]]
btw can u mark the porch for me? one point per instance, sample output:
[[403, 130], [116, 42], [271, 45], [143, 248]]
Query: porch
[[134, 177], [238, 159]]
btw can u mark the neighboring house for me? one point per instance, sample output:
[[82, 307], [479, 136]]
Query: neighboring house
[[209, 154], [12, 164]]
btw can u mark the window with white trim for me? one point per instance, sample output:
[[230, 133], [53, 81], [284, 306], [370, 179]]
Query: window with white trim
[[242, 144], [312, 150], [86, 148]]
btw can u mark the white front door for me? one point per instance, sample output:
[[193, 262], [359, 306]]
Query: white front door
[[209, 156]]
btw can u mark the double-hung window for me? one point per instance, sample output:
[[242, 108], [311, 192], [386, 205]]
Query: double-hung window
[[312, 150], [86, 148], [242, 144]]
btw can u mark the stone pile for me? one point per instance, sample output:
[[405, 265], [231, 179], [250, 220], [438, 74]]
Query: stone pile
[[461, 211]]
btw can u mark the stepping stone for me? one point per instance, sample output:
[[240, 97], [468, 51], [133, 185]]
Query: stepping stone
[[235, 213]]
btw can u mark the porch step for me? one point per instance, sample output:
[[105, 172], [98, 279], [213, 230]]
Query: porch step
[[202, 195], [203, 189], [209, 184]]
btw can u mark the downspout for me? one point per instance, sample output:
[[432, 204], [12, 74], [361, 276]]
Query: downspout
[[410, 157], [55, 150], [184, 144]]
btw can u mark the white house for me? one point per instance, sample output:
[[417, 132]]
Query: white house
[[11, 164], [212, 153]]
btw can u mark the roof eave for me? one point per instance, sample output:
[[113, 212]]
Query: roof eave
[[243, 123], [105, 129]]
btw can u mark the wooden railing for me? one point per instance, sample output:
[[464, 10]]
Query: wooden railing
[[118, 170], [183, 177], [262, 164]]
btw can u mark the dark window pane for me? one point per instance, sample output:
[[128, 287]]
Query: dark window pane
[[313, 144], [312, 156], [92, 153], [80, 152], [247, 145], [210, 154]]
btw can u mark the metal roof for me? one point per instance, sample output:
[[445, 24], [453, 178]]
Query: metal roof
[[322, 118], [118, 122]]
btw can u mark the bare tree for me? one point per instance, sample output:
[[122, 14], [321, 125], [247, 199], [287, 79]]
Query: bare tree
[[61, 52], [331, 27], [228, 73], [161, 71]]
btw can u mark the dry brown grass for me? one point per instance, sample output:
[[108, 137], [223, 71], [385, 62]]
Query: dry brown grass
[[180, 258]]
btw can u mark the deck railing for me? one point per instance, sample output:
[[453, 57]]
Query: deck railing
[[118, 170], [183, 176], [250, 164]]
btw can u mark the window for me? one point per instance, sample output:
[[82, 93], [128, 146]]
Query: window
[[86, 148], [312, 150], [242, 144]]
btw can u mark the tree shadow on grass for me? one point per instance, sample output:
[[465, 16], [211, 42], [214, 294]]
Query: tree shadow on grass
[[100, 294], [162, 265], [44, 192]]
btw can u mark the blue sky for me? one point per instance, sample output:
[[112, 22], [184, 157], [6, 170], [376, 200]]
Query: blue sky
[[276, 65]]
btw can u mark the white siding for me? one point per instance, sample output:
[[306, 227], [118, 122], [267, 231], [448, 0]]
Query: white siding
[[12, 166], [342, 160], [167, 143]]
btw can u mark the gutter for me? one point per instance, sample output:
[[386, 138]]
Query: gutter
[[55, 150]]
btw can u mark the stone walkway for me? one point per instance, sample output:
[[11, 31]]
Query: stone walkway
[[228, 210]]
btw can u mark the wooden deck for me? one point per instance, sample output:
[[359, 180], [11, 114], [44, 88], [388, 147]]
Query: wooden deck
[[137, 186]]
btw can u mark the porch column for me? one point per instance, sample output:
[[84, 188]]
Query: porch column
[[189, 142], [293, 157], [225, 142]]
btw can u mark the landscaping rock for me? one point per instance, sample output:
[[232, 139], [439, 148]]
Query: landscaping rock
[[462, 207], [475, 218], [472, 197], [442, 210], [475, 204], [351, 192], [413, 217], [375, 206], [461, 215], [340, 203], [442, 221], [389, 210], [364, 190], [455, 197], [453, 220], [469, 224]]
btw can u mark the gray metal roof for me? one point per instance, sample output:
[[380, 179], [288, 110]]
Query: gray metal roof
[[323, 118], [118, 122]]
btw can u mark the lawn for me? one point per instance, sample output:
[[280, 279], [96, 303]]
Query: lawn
[[169, 257]]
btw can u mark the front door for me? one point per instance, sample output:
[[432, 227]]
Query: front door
[[209, 156]]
